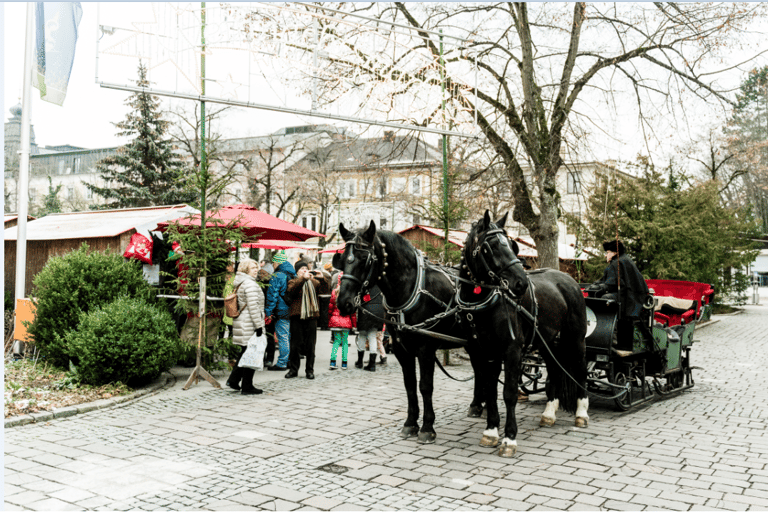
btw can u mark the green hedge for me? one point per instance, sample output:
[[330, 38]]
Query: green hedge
[[128, 341], [76, 283]]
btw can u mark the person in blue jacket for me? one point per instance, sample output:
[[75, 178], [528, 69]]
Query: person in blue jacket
[[277, 309]]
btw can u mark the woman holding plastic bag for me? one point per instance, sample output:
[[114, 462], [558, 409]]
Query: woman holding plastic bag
[[248, 325]]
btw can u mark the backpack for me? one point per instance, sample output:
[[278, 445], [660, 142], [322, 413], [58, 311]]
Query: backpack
[[230, 303]]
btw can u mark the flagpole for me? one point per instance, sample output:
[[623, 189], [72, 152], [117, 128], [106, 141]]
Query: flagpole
[[22, 190]]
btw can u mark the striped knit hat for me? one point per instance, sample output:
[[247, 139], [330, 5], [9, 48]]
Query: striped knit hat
[[279, 258]]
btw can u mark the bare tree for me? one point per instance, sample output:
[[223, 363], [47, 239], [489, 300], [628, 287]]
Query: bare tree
[[718, 162], [268, 186], [318, 187], [185, 133], [547, 73]]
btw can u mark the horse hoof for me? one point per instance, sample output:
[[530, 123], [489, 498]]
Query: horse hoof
[[507, 450], [475, 411], [581, 422], [491, 442], [546, 422], [409, 432], [427, 437]]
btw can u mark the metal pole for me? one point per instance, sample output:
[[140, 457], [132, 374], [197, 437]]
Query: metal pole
[[22, 190], [445, 152], [204, 171], [273, 108], [199, 371]]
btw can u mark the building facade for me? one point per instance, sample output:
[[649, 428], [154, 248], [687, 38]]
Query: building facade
[[314, 175]]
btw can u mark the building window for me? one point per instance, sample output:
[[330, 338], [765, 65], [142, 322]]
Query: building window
[[77, 165], [61, 166], [381, 190], [70, 192], [309, 222], [383, 223], [416, 185], [416, 219], [88, 193], [32, 194], [574, 183], [346, 189]]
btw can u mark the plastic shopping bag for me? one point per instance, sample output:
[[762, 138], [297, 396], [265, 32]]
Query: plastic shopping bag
[[253, 357]]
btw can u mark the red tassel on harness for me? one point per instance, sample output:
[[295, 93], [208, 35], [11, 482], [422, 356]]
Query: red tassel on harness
[[367, 298], [478, 290]]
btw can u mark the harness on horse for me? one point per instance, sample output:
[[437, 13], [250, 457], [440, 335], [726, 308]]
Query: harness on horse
[[457, 306], [498, 291]]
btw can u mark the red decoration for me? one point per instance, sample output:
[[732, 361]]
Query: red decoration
[[367, 297], [478, 290], [139, 248]]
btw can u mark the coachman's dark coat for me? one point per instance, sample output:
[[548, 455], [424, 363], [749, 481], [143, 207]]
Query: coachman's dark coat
[[622, 274]]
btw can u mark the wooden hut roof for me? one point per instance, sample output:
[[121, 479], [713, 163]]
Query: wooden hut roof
[[99, 223]]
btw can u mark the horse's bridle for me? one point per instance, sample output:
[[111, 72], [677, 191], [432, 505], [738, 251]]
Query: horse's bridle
[[368, 268], [483, 248]]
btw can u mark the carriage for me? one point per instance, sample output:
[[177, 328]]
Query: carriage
[[628, 361]]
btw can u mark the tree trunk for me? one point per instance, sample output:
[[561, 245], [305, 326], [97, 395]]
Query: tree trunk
[[547, 247]]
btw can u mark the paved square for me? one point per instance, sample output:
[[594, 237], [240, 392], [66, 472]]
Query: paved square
[[333, 444]]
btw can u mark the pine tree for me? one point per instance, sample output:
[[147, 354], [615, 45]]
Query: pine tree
[[146, 171]]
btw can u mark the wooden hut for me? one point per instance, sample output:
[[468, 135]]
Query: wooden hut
[[11, 219], [103, 230], [419, 235]]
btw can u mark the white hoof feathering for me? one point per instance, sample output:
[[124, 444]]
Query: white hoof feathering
[[582, 418], [508, 447], [490, 437], [548, 418]]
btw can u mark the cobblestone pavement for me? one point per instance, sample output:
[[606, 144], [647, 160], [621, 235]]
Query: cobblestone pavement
[[333, 444]]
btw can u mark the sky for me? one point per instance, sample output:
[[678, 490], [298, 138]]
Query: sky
[[89, 111], [85, 119]]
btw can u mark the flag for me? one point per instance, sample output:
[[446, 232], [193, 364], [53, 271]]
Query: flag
[[56, 29]]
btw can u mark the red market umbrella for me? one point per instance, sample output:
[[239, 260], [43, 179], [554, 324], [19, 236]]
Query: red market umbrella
[[333, 248], [252, 220], [274, 245]]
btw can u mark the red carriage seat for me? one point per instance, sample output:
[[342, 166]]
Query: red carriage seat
[[700, 293]]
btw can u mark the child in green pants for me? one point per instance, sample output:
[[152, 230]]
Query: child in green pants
[[340, 326]]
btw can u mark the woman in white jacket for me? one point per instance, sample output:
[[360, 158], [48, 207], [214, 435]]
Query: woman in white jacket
[[250, 301]]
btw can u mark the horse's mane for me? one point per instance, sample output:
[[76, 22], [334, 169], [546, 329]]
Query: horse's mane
[[397, 247]]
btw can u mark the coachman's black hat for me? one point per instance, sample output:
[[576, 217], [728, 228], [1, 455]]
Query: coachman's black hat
[[615, 246]]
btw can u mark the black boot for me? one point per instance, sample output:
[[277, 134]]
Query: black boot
[[247, 385], [359, 363], [234, 378], [371, 363]]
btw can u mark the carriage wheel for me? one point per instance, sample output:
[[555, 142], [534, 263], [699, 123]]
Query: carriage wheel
[[624, 402]]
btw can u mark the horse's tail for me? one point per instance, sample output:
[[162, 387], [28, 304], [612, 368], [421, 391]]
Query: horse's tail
[[568, 375], [565, 374]]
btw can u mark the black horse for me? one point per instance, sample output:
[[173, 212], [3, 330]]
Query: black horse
[[419, 297], [549, 317]]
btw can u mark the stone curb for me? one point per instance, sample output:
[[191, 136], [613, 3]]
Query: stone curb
[[707, 323], [65, 412]]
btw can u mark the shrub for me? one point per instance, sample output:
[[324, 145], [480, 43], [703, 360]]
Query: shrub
[[77, 283], [128, 341]]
